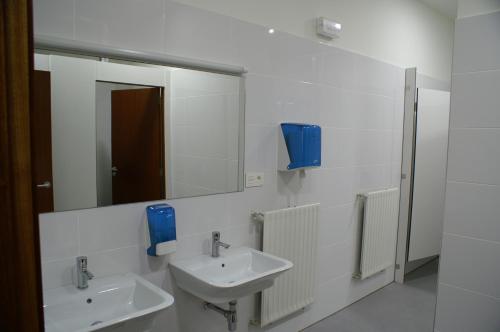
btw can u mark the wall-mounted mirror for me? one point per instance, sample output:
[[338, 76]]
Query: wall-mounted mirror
[[112, 132]]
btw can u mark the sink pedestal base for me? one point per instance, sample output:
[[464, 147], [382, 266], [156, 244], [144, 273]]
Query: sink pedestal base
[[230, 314]]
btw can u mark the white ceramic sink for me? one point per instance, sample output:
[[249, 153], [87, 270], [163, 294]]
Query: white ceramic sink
[[236, 273], [124, 299]]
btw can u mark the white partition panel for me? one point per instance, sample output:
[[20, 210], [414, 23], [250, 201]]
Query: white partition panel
[[73, 132], [431, 147]]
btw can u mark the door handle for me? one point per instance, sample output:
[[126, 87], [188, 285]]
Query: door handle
[[44, 185], [114, 171]]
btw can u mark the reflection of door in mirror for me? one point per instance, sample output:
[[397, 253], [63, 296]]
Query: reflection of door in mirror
[[137, 145], [41, 140]]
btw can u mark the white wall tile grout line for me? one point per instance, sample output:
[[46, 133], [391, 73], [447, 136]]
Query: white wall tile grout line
[[471, 238], [469, 291]]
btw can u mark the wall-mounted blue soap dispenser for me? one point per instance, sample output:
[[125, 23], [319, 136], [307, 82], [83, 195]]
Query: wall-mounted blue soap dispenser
[[160, 231], [299, 146]]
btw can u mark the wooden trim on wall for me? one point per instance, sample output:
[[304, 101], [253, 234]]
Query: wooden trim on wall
[[20, 279]]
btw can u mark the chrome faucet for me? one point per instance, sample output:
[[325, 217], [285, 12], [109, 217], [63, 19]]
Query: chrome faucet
[[216, 243], [82, 274]]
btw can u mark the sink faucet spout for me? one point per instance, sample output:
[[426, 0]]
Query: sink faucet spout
[[216, 244], [82, 274]]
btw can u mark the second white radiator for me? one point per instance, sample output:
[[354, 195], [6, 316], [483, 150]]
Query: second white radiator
[[379, 231], [292, 234]]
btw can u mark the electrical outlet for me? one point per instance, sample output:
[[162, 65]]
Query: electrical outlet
[[254, 179]]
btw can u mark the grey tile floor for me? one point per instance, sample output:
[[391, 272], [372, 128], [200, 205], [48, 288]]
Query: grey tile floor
[[394, 308]]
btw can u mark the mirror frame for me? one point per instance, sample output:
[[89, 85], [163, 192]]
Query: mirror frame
[[105, 53]]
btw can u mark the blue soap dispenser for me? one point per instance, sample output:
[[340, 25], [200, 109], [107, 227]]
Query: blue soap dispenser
[[160, 230]]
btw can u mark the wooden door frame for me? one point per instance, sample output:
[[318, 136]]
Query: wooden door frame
[[21, 289]]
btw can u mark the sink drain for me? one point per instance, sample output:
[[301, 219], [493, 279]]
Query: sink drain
[[96, 322]]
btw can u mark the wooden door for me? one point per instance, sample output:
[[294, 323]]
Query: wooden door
[[42, 148], [21, 291], [137, 145]]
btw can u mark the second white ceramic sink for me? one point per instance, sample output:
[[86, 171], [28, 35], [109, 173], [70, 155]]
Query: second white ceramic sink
[[235, 273], [122, 299]]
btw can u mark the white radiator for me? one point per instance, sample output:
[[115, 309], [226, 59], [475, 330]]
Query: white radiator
[[292, 234], [379, 230]]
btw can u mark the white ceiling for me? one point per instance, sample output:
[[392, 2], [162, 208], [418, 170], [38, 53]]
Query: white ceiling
[[445, 7]]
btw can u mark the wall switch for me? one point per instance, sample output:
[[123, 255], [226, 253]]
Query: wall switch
[[254, 179]]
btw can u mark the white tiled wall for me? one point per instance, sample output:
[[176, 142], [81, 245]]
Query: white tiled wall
[[469, 280], [357, 100], [205, 117]]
